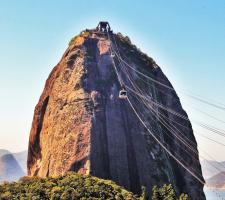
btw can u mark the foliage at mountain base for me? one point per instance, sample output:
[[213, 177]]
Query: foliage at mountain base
[[167, 192], [70, 186], [74, 186]]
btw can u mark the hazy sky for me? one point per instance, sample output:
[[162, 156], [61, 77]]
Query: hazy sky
[[186, 38]]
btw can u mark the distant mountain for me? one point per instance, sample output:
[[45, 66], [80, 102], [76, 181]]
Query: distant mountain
[[10, 170], [211, 168], [217, 181], [3, 152], [21, 158], [12, 165]]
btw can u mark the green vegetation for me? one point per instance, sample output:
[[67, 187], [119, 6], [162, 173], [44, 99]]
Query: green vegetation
[[76, 40], [132, 51], [85, 33], [79, 38], [75, 186], [73, 39], [126, 41], [167, 192], [71, 186]]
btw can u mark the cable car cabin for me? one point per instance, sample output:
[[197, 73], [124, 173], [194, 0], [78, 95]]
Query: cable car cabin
[[123, 94], [112, 54]]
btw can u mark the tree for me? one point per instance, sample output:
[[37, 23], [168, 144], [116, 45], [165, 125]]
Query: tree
[[155, 193], [69, 193], [143, 193], [183, 197], [6, 196], [56, 193], [167, 192]]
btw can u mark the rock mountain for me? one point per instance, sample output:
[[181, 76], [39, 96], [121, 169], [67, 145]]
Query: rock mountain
[[208, 168], [217, 181], [12, 165], [80, 124]]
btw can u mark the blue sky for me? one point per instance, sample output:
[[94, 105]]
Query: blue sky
[[186, 38]]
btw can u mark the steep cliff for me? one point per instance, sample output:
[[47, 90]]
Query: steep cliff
[[81, 125]]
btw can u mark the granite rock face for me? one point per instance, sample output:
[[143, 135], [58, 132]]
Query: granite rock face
[[81, 125]]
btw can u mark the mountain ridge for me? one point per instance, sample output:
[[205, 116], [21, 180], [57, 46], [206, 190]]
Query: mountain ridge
[[13, 165], [217, 181], [9, 168], [210, 168]]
